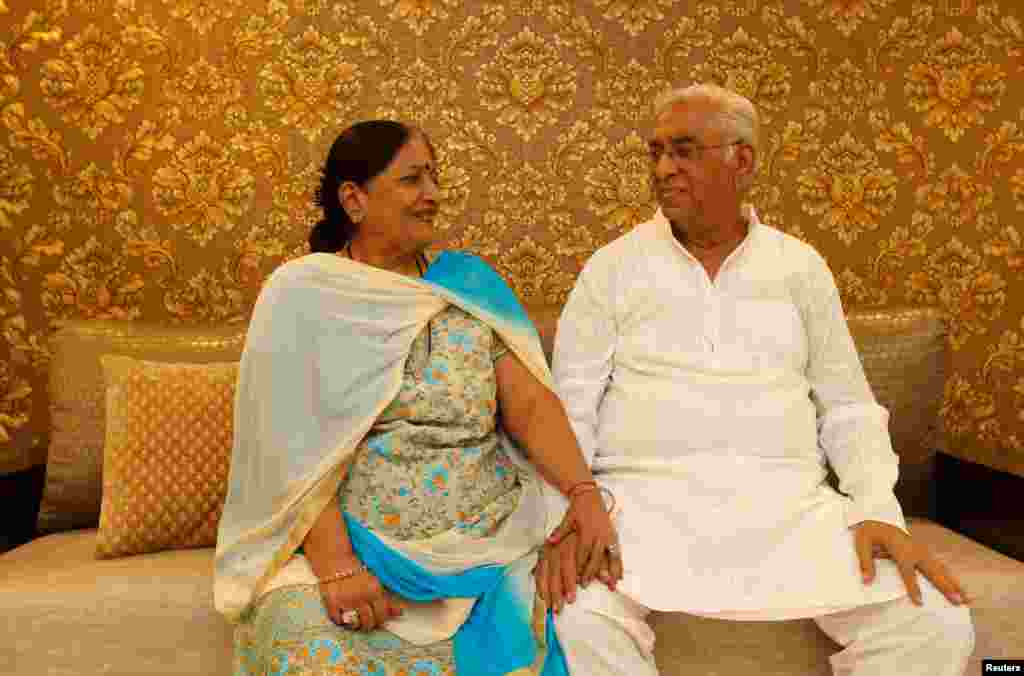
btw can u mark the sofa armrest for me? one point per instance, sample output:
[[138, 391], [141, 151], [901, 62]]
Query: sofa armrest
[[21, 491]]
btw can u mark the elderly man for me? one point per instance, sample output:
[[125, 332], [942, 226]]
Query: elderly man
[[708, 372]]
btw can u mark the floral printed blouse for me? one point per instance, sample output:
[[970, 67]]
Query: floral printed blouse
[[432, 460]]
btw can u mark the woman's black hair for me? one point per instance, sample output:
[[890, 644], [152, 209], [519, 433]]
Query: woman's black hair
[[360, 153]]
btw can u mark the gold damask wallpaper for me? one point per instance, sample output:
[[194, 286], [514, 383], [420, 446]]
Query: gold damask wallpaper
[[158, 156]]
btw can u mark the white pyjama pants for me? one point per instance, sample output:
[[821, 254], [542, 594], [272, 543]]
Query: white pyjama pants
[[606, 634]]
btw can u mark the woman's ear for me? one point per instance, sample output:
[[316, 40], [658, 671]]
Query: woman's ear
[[353, 200]]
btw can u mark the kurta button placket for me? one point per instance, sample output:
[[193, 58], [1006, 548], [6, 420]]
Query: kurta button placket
[[713, 322]]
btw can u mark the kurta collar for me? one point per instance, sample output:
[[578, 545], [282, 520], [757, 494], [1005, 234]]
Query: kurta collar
[[664, 230]]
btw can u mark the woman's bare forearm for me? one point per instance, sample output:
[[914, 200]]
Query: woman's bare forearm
[[548, 439], [327, 545]]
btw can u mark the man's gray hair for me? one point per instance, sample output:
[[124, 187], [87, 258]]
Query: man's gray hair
[[737, 114]]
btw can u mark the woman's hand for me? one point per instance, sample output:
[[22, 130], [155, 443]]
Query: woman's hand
[[357, 601], [555, 573], [597, 545], [362, 593]]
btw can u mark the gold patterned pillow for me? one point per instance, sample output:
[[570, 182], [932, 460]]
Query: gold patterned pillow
[[166, 456]]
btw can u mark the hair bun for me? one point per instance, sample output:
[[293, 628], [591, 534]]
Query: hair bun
[[325, 238]]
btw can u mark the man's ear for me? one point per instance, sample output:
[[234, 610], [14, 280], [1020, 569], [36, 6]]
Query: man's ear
[[746, 160], [746, 167]]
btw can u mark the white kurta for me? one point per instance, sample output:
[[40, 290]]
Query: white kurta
[[708, 407]]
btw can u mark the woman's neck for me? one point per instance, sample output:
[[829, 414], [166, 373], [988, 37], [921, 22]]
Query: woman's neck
[[403, 263]]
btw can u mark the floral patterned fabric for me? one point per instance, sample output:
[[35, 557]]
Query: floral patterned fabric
[[432, 462], [288, 633]]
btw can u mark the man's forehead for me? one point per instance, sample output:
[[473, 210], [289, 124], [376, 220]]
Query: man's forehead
[[681, 122], [675, 133]]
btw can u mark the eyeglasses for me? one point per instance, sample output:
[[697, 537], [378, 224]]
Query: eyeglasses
[[684, 151]]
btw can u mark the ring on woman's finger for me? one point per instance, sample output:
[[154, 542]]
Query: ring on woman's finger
[[612, 549], [350, 618]]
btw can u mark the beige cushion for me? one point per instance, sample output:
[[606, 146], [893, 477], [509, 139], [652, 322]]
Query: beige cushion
[[73, 487], [62, 611], [168, 447], [905, 355], [687, 645], [698, 645]]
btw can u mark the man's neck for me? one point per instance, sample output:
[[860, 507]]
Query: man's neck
[[717, 241]]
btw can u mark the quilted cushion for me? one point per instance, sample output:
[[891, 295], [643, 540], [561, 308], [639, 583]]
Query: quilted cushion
[[168, 448]]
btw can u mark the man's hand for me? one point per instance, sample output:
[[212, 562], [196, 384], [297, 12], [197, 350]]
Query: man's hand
[[597, 542], [556, 572], [874, 539]]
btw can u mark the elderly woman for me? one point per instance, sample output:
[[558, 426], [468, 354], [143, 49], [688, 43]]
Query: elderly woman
[[399, 454]]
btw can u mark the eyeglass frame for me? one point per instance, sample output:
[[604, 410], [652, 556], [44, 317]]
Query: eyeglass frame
[[699, 148]]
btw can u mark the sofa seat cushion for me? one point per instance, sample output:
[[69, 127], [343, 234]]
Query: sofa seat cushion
[[688, 644], [995, 583], [62, 611]]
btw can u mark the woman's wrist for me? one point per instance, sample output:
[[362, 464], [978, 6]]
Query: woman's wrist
[[328, 560], [343, 573], [588, 487], [580, 487], [327, 541]]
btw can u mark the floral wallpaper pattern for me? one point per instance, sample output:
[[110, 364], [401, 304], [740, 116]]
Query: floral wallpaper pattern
[[158, 156]]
